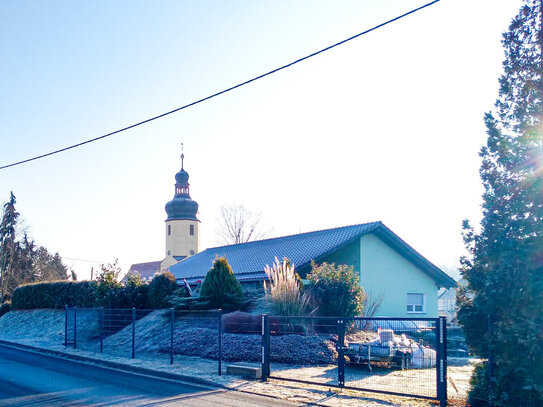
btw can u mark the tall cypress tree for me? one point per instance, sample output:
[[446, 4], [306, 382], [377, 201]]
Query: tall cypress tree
[[501, 308]]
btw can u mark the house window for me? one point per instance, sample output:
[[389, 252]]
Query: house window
[[192, 230], [169, 230], [415, 303]]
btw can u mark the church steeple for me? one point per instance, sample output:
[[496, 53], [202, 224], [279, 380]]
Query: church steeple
[[182, 225], [182, 206]]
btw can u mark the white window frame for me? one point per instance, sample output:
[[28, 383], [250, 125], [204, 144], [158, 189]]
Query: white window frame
[[413, 310]]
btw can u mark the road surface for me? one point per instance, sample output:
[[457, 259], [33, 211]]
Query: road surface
[[32, 379]]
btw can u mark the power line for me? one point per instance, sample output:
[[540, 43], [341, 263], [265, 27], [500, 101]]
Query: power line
[[221, 92], [92, 261]]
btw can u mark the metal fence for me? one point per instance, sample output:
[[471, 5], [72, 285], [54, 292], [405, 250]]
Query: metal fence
[[144, 333], [398, 356]]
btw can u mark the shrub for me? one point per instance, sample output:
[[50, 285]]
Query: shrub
[[162, 286], [336, 290], [135, 291], [479, 394], [108, 289], [221, 286], [284, 294], [5, 307], [55, 294]]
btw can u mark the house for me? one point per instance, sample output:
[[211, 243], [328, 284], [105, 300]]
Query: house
[[389, 268], [447, 303], [145, 270]]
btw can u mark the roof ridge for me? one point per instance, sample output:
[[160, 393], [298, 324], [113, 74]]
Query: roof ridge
[[147, 262], [375, 223]]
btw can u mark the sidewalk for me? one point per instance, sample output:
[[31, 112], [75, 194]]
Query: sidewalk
[[205, 372]]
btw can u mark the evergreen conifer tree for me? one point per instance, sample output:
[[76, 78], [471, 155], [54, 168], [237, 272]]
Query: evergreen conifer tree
[[501, 307], [221, 285], [21, 261], [8, 245]]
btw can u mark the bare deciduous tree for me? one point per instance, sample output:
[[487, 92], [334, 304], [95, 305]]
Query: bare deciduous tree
[[237, 224]]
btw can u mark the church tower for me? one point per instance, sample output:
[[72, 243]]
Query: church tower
[[182, 225]]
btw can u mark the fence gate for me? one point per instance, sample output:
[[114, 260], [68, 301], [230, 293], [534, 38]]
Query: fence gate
[[398, 356]]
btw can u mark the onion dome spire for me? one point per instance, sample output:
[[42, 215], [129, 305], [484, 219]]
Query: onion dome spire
[[182, 206]]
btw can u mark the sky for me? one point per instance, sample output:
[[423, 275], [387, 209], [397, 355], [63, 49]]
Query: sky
[[385, 127]]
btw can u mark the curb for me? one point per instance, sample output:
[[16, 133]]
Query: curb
[[115, 365]]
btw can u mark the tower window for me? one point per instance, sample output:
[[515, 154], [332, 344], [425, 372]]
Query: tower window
[[169, 230], [192, 230]]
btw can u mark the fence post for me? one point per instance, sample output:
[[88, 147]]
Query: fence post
[[172, 319], [101, 329], [133, 332], [265, 348], [75, 327], [220, 342], [65, 325], [441, 362], [340, 352]]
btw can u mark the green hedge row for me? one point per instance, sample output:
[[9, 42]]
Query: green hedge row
[[55, 295], [89, 294]]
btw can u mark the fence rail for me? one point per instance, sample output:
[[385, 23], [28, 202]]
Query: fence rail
[[398, 356]]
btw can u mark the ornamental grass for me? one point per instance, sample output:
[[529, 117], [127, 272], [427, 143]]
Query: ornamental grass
[[284, 290]]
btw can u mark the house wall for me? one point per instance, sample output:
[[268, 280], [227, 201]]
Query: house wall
[[349, 254], [385, 272]]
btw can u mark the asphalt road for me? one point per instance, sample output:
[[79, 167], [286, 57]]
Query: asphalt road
[[32, 379]]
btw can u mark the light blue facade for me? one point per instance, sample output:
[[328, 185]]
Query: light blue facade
[[386, 274]]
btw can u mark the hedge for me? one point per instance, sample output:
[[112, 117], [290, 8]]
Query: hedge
[[55, 294], [90, 294]]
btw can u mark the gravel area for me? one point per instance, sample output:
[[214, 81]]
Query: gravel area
[[294, 349]]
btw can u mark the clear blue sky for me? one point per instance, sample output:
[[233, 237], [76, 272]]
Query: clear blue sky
[[387, 127]]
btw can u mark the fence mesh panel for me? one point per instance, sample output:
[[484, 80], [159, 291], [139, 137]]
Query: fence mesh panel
[[391, 356], [144, 334], [303, 349], [383, 355], [88, 329]]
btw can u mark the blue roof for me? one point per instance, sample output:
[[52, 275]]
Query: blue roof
[[249, 259]]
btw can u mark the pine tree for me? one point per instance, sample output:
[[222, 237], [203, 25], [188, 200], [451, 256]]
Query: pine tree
[[48, 267], [21, 261], [501, 308], [8, 245]]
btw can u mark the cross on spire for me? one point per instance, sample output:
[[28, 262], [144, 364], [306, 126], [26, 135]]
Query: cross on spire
[[182, 156]]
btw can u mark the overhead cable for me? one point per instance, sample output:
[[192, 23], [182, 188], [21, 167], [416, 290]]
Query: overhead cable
[[218, 93]]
